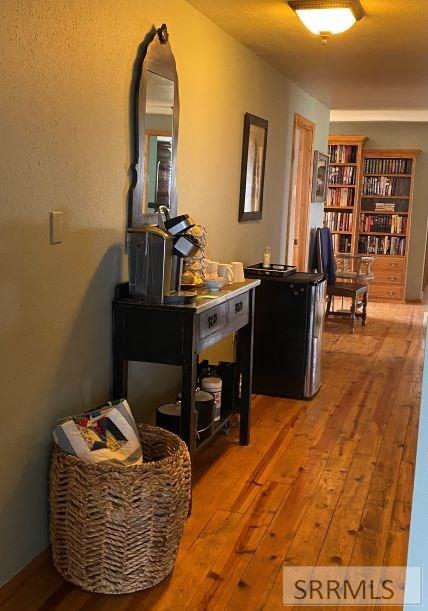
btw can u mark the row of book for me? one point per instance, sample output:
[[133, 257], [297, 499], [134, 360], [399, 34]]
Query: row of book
[[341, 175], [341, 243], [342, 153], [384, 207], [340, 197], [377, 245], [389, 223], [387, 166], [338, 221], [385, 186]]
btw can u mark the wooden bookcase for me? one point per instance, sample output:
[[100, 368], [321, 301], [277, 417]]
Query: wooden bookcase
[[343, 190], [385, 216], [380, 203]]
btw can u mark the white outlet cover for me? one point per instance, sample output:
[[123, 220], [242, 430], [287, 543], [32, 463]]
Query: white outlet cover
[[56, 226]]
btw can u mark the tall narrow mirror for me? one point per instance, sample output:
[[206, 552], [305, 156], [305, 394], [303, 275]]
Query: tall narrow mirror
[[158, 142], [155, 105]]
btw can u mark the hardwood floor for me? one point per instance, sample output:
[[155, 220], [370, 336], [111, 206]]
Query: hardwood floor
[[324, 482]]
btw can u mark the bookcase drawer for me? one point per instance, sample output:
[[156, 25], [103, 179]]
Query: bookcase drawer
[[394, 264], [389, 276], [393, 292]]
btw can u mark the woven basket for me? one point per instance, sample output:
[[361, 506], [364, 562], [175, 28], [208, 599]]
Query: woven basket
[[117, 529]]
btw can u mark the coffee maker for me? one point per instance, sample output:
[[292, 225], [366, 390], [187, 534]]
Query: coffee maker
[[155, 259]]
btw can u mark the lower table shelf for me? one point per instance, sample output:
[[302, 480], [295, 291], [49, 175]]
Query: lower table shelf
[[216, 428]]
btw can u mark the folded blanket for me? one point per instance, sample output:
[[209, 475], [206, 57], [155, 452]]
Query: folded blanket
[[108, 435]]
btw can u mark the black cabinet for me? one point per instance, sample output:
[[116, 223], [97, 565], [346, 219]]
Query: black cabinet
[[288, 335]]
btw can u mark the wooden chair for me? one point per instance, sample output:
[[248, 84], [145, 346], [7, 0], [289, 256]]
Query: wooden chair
[[354, 267], [351, 280]]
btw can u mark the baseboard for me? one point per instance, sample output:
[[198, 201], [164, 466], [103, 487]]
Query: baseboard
[[413, 300], [24, 575]]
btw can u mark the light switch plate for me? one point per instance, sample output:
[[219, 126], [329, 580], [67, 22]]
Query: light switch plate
[[56, 226]]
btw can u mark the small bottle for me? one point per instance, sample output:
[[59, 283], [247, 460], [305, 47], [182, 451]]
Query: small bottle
[[266, 257]]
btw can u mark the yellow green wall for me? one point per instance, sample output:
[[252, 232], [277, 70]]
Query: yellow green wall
[[65, 67]]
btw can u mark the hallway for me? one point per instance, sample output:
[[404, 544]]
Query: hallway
[[323, 482]]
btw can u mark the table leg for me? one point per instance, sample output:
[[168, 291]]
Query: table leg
[[328, 310], [120, 365], [188, 416], [353, 310], [364, 309], [245, 363], [120, 377]]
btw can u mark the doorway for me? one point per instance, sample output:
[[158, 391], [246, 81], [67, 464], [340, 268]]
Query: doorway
[[300, 192], [425, 280]]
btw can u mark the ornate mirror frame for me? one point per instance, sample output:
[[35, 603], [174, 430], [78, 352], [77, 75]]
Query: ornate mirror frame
[[154, 55]]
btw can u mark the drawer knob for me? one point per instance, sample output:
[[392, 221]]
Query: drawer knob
[[392, 278], [238, 306], [212, 320], [390, 293]]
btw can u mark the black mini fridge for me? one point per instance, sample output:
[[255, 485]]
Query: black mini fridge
[[288, 327]]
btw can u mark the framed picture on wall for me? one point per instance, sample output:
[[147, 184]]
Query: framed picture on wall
[[253, 168], [319, 177]]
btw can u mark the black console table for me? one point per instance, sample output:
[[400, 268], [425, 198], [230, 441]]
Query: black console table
[[176, 335]]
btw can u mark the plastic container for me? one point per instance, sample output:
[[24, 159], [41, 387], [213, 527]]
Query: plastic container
[[214, 386]]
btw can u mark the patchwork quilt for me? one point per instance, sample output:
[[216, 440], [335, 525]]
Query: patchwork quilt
[[108, 434]]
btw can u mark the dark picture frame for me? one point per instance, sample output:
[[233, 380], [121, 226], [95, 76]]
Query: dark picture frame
[[253, 168], [320, 177]]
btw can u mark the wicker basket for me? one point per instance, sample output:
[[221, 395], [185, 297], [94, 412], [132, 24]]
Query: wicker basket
[[117, 529]]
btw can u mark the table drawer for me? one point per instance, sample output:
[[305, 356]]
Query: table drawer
[[238, 307], [212, 320], [389, 264], [385, 276], [386, 291]]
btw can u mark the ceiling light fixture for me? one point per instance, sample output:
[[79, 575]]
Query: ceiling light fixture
[[327, 17]]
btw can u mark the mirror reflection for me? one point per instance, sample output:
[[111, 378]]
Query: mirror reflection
[[255, 160], [158, 141]]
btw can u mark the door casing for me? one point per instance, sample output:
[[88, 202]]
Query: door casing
[[300, 192]]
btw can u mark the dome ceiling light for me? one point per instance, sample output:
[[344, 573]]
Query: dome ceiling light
[[327, 17]]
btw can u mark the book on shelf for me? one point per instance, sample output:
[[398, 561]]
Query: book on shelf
[[382, 245], [379, 223], [341, 243], [340, 197], [385, 207], [385, 186], [342, 153], [341, 175], [376, 165], [338, 221]]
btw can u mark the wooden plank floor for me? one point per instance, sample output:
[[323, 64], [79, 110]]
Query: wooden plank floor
[[324, 482]]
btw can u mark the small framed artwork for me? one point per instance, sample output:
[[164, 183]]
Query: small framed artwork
[[319, 177], [253, 168]]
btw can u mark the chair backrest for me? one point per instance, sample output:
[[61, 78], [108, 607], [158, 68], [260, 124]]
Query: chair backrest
[[324, 260]]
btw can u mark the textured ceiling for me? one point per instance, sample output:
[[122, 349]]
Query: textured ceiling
[[380, 63]]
